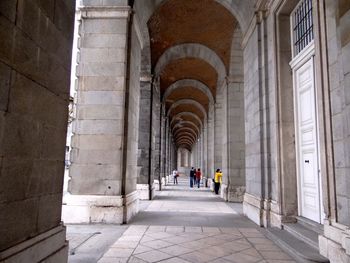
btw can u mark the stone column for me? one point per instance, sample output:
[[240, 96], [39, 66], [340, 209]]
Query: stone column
[[253, 204], [218, 131], [211, 140], [145, 178], [163, 146], [99, 190], [233, 185], [170, 156], [205, 151]]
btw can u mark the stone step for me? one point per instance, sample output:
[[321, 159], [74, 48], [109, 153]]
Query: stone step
[[303, 233], [310, 224], [298, 249]]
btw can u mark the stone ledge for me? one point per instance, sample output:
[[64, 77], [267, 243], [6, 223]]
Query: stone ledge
[[252, 208], [143, 191], [232, 193], [335, 235], [104, 11], [86, 209], [42, 248]]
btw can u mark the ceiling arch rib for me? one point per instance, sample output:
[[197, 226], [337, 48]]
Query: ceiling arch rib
[[187, 141], [188, 101], [186, 131], [189, 68], [185, 137], [198, 51], [180, 116], [181, 124], [239, 9], [186, 134], [189, 83]]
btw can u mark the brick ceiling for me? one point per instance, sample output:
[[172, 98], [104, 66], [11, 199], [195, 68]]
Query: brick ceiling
[[205, 22]]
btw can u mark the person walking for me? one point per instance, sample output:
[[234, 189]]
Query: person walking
[[198, 177], [217, 180], [192, 176], [175, 175]]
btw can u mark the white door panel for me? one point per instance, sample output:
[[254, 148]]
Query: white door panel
[[307, 150]]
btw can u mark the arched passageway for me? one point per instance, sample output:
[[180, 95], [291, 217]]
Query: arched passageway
[[258, 89]]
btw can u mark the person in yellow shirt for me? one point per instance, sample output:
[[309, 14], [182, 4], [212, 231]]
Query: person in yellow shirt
[[217, 180]]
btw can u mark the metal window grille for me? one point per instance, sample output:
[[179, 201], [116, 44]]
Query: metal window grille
[[302, 23]]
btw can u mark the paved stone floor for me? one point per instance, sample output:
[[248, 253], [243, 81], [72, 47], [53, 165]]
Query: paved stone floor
[[192, 225]]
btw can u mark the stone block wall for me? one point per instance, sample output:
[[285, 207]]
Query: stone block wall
[[105, 129], [144, 132], [98, 126], [338, 23], [35, 58], [133, 111], [252, 115], [233, 131]]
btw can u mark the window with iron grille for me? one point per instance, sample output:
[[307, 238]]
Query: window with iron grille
[[302, 25]]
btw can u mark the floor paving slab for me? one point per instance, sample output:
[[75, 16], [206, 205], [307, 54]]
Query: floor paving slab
[[207, 230]]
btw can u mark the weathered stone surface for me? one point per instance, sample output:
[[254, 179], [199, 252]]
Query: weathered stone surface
[[5, 80], [35, 57]]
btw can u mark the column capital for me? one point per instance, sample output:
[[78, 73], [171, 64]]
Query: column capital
[[234, 79], [105, 11], [146, 77]]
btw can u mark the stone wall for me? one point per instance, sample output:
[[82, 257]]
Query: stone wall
[[252, 115], [234, 154], [133, 120], [338, 14], [155, 133], [35, 58], [144, 132]]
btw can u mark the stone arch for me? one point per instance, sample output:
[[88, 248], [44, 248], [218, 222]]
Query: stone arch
[[186, 113], [185, 138], [192, 51], [189, 123], [241, 10], [189, 82], [186, 130], [188, 101]]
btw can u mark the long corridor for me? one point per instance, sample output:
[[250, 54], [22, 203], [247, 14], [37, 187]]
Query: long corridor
[[192, 225]]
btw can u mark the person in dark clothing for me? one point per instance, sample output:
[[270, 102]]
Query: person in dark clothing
[[192, 176], [198, 177]]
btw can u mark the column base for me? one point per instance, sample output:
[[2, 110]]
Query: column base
[[144, 191], [265, 213], [335, 243], [156, 183], [87, 209], [232, 193], [252, 208], [50, 247]]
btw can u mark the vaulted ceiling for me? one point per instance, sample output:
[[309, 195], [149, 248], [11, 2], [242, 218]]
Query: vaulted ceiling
[[203, 22]]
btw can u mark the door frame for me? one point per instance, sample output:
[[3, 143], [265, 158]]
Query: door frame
[[297, 62]]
